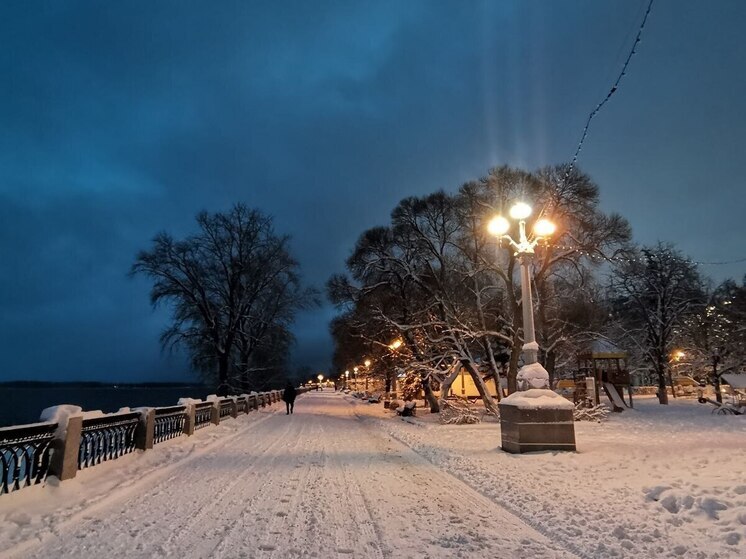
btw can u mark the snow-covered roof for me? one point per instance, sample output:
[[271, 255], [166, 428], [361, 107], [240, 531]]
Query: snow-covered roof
[[735, 380]]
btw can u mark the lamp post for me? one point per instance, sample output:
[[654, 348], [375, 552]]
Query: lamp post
[[366, 363], [354, 377], [347, 377], [537, 419], [534, 376], [320, 377]]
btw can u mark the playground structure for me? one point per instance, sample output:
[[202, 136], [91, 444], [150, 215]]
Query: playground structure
[[606, 364], [734, 390]]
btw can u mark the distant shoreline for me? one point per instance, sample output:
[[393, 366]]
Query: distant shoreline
[[95, 384]]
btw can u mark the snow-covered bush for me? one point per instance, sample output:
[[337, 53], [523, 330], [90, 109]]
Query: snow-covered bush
[[458, 412], [594, 413]]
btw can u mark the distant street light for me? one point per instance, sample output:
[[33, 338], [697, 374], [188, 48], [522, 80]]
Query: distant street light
[[396, 344], [347, 376], [524, 250]]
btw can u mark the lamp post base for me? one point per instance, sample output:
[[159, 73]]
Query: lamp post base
[[535, 420]]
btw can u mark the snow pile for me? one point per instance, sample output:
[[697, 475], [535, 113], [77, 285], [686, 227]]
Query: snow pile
[[59, 415], [537, 399], [533, 375], [212, 398], [188, 401]]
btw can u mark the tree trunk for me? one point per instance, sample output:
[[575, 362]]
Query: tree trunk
[[515, 354], [670, 380], [429, 396], [662, 390], [445, 386], [550, 361], [489, 403], [223, 387]]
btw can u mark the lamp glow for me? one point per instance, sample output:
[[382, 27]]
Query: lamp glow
[[367, 363], [544, 228], [396, 344], [520, 210], [498, 226]]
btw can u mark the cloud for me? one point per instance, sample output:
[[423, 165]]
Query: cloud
[[123, 119]]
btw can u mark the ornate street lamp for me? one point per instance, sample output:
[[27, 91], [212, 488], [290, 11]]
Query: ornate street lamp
[[535, 418], [532, 374]]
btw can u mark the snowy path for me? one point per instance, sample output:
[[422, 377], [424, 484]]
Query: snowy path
[[322, 483]]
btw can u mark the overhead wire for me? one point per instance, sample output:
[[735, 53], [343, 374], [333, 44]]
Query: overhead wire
[[611, 92]]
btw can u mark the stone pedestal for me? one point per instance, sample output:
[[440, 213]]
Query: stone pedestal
[[536, 420], [64, 463], [145, 431]]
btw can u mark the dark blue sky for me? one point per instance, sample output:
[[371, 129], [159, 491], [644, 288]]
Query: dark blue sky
[[120, 119]]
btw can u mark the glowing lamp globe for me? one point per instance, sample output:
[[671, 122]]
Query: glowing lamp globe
[[367, 363], [498, 226], [520, 210], [544, 228]]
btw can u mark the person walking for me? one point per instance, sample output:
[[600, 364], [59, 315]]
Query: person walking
[[289, 397]]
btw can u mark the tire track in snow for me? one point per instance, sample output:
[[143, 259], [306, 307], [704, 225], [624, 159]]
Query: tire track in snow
[[262, 507], [567, 546], [243, 462], [132, 494]]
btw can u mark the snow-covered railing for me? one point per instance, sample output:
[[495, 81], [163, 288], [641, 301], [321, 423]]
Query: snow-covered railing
[[169, 423], [71, 439], [226, 407], [24, 453], [202, 414], [106, 438]]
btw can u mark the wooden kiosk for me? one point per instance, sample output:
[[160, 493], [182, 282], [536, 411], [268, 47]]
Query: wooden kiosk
[[607, 364]]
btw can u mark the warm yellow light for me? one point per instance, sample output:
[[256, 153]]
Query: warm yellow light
[[367, 363], [678, 355], [396, 344], [520, 210], [498, 226], [347, 373], [354, 369], [320, 377], [544, 228]]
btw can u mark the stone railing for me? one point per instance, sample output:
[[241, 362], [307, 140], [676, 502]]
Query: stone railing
[[106, 438], [24, 453], [203, 414], [29, 453], [225, 408], [169, 423]]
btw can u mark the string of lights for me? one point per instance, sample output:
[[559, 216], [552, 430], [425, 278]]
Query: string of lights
[[611, 92], [599, 257]]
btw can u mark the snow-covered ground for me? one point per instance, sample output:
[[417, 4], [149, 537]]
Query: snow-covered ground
[[342, 478]]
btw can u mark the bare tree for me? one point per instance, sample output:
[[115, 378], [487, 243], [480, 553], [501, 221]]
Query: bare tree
[[653, 294], [233, 288]]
